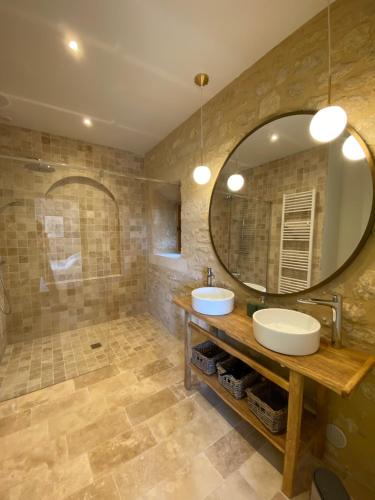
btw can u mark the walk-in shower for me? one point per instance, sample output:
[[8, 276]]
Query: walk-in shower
[[73, 247]]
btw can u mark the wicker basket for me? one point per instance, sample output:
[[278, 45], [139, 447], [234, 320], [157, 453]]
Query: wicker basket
[[235, 376], [270, 404], [206, 355]]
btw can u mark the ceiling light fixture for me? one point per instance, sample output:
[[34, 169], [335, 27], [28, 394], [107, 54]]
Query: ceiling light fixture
[[201, 173], [274, 138], [73, 45], [329, 122], [352, 150], [87, 122]]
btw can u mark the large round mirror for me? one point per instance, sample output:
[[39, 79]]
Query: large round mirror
[[288, 213]]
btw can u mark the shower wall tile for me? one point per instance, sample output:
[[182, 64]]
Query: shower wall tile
[[74, 239]]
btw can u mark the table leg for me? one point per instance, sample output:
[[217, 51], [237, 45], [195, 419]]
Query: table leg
[[295, 408], [321, 396], [187, 352]]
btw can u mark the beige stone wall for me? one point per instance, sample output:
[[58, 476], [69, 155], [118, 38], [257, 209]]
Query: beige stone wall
[[163, 205], [75, 240], [291, 77], [3, 336]]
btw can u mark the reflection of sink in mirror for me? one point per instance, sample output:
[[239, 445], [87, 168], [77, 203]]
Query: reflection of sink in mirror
[[255, 286], [212, 300], [301, 213], [286, 331]]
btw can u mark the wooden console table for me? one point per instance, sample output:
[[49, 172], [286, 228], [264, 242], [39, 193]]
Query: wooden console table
[[339, 370]]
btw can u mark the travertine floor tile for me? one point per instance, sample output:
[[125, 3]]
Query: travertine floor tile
[[16, 422], [72, 420], [59, 406], [103, 488], [229, 452], [194, 481], [262, 476], [33, 463], [86, 438], [95, 376], [120, 449], [24, 441], [46, 395], [131, 393], [152, 368], [234, 488], [139, 412], [138, 476], [170, 420]]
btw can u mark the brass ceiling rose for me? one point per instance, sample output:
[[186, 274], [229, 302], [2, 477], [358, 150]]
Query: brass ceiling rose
[[201, 79]]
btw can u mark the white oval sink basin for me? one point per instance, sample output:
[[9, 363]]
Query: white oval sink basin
[[212, 300], [286, 331]]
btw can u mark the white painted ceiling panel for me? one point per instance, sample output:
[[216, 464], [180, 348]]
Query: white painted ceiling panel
[[134, 76]]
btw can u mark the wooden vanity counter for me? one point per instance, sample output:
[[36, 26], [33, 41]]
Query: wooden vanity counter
[[339, 370]]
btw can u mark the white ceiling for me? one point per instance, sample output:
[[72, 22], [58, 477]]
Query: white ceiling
[[134, 76], [293, 136]]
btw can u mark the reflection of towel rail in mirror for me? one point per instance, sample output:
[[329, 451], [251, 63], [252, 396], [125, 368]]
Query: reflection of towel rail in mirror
[[296, 231]]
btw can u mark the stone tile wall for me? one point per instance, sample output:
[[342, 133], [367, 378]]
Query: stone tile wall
[[75, 240], [293, 76]]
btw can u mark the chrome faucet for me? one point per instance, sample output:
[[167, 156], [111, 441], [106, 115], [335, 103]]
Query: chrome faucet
[[336, 306], [210, 276]]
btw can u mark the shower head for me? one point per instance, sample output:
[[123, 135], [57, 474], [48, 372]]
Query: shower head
[[40, 167]]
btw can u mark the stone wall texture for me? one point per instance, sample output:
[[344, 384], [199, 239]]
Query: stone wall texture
[[293, 76]]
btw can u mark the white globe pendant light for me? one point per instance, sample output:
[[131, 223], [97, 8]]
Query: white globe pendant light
[[328, 123], [352, 150], [235, 182], [201, 173]]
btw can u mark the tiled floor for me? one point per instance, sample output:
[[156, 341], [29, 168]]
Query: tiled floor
[[131, 431], [31, 365]]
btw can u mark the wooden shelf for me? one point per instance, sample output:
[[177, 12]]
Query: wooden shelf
[[263, 370], [240, 406]]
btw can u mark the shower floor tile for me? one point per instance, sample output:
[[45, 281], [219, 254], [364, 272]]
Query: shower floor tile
[[28, 366]]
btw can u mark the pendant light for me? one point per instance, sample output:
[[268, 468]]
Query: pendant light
[[201, 173], [235, 182], [328, 123], [352, 150]]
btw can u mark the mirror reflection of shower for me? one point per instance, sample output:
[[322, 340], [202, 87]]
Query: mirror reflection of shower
[[248, 237]]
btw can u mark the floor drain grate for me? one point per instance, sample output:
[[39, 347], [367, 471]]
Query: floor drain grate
[[95, 346]]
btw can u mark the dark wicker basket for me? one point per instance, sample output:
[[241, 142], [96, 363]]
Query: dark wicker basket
[[206, 355], [235, 376], [270, 404]]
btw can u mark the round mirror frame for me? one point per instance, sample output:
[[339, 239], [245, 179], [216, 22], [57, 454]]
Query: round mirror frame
[[362, 241]]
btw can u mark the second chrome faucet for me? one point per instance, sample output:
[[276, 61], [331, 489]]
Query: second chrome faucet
[[335, 303]]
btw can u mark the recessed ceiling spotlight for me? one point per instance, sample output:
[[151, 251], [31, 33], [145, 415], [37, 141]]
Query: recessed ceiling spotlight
[[274, 138], [87, 122], [73, 45]]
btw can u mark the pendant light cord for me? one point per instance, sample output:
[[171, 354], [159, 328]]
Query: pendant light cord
[[329, 52], [201, 125]]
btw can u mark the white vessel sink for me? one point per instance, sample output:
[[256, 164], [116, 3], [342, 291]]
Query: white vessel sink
[[212, 300], [286, 331]]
